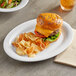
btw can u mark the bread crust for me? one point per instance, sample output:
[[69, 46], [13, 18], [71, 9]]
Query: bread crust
[[50, 21]]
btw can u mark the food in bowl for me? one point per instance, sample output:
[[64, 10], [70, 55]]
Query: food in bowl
[[48, 30], [9, 3]]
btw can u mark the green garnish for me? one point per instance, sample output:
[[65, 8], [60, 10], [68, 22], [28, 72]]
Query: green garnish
[[51, 38], [9, 4], [1, 1]]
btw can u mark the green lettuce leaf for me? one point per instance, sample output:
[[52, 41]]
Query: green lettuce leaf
[[51, 38]]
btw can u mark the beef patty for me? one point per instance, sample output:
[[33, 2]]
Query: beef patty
[[55, 32]]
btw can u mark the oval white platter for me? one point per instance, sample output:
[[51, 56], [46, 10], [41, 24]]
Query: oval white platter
[[54, 49]]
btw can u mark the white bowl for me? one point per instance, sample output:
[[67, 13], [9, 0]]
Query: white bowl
[[21, 5]]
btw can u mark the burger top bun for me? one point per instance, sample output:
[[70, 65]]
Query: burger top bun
[[47, 23], [50, 21]]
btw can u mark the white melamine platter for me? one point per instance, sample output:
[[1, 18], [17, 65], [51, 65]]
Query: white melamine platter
[[54, 49]]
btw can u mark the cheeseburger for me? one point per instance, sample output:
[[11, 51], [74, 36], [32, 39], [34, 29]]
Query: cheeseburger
[[48, 26]]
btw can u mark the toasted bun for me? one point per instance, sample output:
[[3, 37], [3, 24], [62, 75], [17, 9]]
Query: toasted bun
[[47, 23]]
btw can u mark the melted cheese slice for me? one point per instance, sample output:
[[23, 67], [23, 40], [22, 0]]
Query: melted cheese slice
[[43, 31]]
